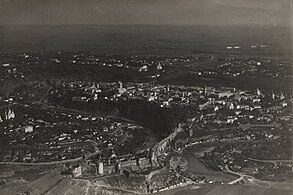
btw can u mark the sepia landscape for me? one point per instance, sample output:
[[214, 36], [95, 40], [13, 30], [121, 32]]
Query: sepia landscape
[[146, 97]]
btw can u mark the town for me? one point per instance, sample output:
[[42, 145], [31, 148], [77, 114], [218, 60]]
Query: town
[[140, 127]]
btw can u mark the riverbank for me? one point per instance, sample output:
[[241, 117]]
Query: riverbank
[[199, 168]]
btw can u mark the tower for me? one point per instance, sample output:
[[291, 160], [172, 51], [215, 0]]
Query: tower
[[258, 92], [101, 168], [120, 84], [118, 167], [273, 95], [159, 67], [190, 131], [167, 88]]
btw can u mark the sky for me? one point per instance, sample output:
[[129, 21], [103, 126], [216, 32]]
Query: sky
[[176, 12]]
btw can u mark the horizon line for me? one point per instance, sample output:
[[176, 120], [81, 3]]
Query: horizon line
[[218, 25]]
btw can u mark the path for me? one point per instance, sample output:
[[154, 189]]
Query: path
[[269, 160], [244, 177]]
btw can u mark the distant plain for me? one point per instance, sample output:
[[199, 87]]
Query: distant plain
[[160, 40]]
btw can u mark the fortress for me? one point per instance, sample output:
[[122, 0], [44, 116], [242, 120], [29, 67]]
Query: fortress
[[166, 143]]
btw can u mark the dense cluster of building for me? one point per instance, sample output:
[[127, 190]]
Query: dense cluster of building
[[46, 122], [34, 132]]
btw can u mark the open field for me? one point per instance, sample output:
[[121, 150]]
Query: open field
[[225, 189], [28, 173], [247, 189]]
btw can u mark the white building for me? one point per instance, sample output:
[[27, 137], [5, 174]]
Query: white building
[[101, 168], [76, 171], [9, 114], [28, 129]]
